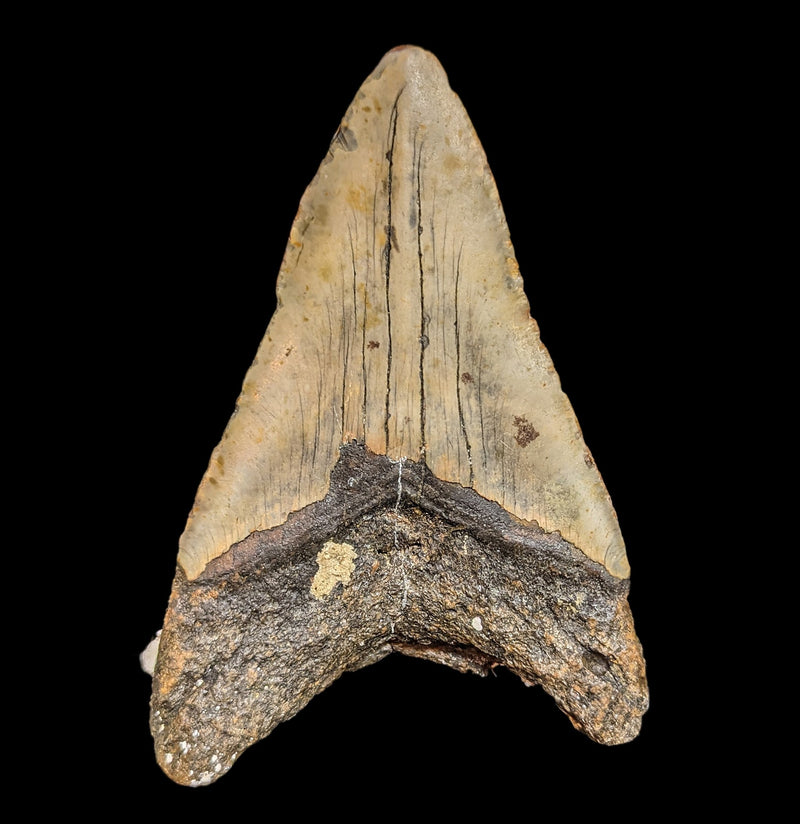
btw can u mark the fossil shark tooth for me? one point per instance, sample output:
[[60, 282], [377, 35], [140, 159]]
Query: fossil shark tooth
[[403, 471]]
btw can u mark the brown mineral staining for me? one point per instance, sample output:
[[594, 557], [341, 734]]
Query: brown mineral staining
[[525, 431], [467, 378], [373, 344]]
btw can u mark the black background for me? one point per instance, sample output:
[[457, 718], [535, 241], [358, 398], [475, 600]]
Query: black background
[[199, 137]]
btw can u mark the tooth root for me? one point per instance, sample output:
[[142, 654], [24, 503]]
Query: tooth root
[[403, 471]]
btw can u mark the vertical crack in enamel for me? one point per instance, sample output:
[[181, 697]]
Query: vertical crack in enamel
[[388, 262], [423, 337]]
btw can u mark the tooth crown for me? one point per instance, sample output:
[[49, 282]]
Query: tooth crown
[[402, 324]]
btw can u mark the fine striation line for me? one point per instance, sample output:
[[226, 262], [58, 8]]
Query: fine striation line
[[458, 372]]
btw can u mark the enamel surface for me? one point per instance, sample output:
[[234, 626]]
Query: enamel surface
[[402, 324]]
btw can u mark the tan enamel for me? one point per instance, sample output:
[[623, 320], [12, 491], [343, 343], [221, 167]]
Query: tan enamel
[[402, 322]]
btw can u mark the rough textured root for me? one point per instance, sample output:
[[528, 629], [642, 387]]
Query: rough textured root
[[427, 569]]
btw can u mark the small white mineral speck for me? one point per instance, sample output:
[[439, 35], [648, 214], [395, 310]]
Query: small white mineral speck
[[477, 623]]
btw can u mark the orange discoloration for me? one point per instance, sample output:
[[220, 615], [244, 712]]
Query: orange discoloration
[[356, 196]]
